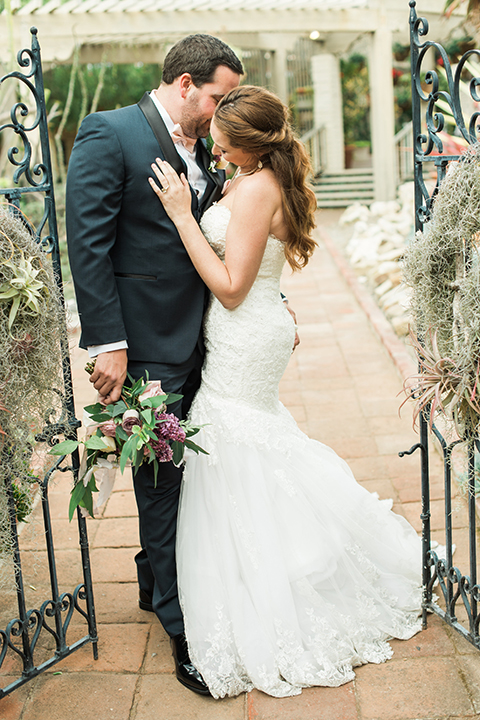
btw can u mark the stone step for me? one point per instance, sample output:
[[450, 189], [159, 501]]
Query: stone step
[[342, 203], [326, 180], [345, 188], [349, 171]]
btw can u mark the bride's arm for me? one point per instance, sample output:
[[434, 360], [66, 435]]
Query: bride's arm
[[255, 203]]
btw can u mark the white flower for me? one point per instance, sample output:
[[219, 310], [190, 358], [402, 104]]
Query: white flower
[[109, 443], [130, 414], [218, 163]]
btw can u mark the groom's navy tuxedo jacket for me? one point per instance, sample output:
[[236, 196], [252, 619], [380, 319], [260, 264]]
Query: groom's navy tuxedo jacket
[[133, 278]]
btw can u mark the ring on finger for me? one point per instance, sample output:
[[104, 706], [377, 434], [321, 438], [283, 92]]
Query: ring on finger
[[164, 188]]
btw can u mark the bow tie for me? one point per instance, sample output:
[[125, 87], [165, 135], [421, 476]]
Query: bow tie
[[178, 136]]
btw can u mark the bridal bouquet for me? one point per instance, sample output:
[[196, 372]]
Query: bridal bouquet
[[135, 429]]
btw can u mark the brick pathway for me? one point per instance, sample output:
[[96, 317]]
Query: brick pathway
[[342, 387]]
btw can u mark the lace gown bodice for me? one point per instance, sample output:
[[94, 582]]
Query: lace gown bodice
[[289, 573], [257, 335]]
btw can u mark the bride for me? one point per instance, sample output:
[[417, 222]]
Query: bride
[[290, 573]]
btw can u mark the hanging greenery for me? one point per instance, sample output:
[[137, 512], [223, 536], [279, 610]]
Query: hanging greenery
[[31, 384], [443, 269]]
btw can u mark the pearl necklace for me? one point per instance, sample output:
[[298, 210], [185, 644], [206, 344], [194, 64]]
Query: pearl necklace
[[250, 172]]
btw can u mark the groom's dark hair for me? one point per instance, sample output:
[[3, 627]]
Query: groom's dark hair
[[199, 55]]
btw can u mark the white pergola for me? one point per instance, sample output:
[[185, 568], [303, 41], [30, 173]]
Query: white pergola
[[142, 30]]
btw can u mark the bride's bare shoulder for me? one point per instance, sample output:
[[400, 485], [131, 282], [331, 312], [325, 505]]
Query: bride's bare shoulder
[[259, 187]]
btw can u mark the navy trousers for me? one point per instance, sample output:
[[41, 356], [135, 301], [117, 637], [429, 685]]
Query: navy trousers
[[158, 504]]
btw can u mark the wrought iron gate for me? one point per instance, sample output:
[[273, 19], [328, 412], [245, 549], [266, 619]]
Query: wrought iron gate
[[458, 589], [55, 613]]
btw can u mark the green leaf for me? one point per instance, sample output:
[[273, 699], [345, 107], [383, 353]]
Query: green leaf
[[148, 416], [96, 443], [13, 311], [87, 501], [156, 401], [97, 408], [139, 456], [137, 387], [196, 448], [155, 471], [178, 450], [119, 408], [150, 433], [7, 294], [92, 483], [65, 447], [127, 451], [103, 417], [121, 434], [172, 397], [75, 498]]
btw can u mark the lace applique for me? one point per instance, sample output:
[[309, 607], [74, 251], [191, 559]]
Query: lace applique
[[219, 663], [290, 574], [369, 571], [246, 537], [286, 484]]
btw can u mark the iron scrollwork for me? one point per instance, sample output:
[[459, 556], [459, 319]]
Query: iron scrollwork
[[54, 615], [455, 586], [434, 117]]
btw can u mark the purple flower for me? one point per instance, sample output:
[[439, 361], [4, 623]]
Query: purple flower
[[163, 451], [108, 428], [168, 427]]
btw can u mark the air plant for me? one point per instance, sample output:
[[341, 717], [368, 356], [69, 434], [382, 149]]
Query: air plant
[[441, 386], [32, 345], [23, 287]]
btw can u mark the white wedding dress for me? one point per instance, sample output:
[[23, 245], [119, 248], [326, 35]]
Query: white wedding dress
[[290, 573]]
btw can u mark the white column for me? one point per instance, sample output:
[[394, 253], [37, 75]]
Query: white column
[[327, 93], [280, 74], [382, 118]]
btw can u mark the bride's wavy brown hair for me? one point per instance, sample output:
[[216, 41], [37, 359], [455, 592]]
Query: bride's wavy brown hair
[[256, 120]]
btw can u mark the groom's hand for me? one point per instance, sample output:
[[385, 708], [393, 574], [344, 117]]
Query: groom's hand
[[292, 313], [109, 375]]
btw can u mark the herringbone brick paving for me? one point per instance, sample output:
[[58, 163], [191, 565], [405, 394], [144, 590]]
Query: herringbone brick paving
[[342, 387]]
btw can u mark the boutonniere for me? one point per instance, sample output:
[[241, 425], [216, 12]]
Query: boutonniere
[[216, 161]]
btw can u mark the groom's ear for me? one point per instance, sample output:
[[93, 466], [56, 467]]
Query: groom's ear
[[185, 84]]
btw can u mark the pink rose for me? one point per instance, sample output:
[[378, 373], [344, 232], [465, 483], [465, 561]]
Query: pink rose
[[152, 389], [108, 428], [130, 418]]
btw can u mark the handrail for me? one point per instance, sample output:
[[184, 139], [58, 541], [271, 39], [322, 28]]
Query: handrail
[[403, 144], [314, 141], [404, 132]]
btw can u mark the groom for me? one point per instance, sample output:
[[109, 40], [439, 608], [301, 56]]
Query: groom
[[140, 300]]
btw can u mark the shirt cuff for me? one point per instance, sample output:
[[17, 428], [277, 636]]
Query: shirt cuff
[[94, 350]]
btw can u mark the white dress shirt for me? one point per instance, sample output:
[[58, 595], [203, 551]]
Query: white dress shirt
[[196, 179]]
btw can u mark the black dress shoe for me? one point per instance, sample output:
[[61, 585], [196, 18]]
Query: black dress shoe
[[145, 601], [186, 673]]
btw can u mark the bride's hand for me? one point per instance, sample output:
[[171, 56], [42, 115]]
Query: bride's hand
[[172, 191]]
